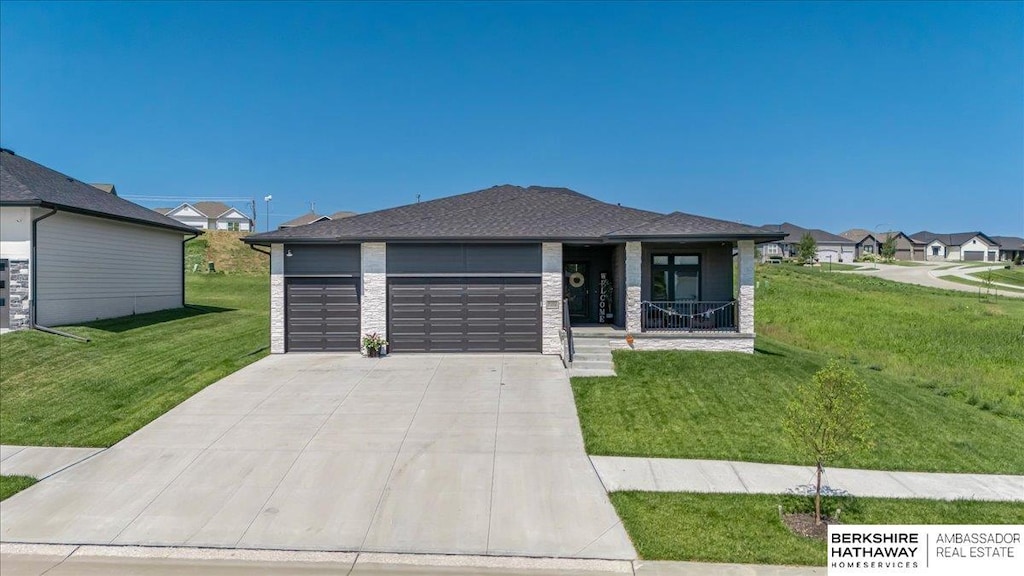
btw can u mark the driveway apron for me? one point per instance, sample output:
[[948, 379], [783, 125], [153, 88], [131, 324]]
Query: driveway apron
[[451, 454]]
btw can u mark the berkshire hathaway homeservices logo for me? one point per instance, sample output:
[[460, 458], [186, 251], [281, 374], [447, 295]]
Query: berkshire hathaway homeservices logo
[[933, 550]]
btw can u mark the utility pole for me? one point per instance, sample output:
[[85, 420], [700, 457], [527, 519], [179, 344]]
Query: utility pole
[[252, 207], [267, 199]]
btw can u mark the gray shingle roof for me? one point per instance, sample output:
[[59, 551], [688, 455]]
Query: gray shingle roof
[[342, 214], [501, 213], [679, 223], [794, 233], [27, 183], [954, 239], [211, 209], [307, 218], [1009, 242]]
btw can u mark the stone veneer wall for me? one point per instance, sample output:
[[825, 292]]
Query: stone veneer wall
[[277, 298], [746, 249], [373, 298], [634, 265], [18, 294], [551, 297], [705, 343]]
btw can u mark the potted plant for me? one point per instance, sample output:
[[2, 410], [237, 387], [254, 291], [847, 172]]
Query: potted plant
[[373, 343]]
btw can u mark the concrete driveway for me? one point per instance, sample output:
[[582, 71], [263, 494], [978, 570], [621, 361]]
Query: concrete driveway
[[926, 275], [453, 454]]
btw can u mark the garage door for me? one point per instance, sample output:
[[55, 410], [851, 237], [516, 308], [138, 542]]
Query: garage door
[[464, 314], [974, 255], [322, 314]]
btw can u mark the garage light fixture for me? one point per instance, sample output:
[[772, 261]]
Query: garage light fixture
[[288, 254]]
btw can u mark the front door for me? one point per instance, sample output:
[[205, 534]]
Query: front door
[[577, 290]]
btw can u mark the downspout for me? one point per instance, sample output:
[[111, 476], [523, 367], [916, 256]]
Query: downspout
[[33, 270], [183, 272]]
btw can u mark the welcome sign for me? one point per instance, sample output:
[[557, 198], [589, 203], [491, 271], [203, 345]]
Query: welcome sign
[[932, 550]]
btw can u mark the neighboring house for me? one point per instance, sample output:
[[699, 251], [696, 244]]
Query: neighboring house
[[1010, 247], [959, 246], [311, 217], [868, 242], [70, 252], [108, 188], [830, 247], [210, 216], [865, 242], [499, 270]]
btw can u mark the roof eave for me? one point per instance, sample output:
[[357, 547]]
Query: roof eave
[[107, 216]]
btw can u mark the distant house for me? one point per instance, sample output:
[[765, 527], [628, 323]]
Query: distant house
[[865, 242], [831, 247], [868, 242], [312, 217], [209, 216], [959, 246], [72, 252], [1010, 247]]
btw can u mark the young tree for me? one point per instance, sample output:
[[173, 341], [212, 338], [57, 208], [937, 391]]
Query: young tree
[[828, 419], [807, 249], [889, 247]]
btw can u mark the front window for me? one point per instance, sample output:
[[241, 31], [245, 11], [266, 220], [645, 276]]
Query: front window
[[675, 277], [233, 226], [935, 250]]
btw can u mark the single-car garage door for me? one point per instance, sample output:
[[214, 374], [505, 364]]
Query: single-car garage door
[[974, 255], [322, 314], [464, 314]]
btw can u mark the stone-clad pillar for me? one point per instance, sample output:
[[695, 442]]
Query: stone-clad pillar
[[276, 298], [634, 258], [746, 286], [551, 297], [373, 299]]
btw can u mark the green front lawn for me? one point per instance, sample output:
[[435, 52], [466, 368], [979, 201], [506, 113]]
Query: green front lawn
[[943, 370], [1013, 276], [746, 528], [11, 485], [59, 392]]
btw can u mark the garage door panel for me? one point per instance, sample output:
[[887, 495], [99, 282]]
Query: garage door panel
[[973, 256], [464, 314], [322, 314]]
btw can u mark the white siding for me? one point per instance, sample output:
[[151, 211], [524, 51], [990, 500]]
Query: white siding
[[15, 232], [92, 268]]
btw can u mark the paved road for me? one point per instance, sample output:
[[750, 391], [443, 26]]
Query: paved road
[[463, 454], [672, 475], [22, 560], [925, 276]]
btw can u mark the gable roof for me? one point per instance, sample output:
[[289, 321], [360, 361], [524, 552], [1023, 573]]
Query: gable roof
[[1009, 242], [307, 218], [794, 233], [857, 234], [509, 212], [108, 188], [342, 214], [954, 239], [27, 183], [211, 209]]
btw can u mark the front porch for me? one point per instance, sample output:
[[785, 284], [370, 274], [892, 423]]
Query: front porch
[[681, 295]]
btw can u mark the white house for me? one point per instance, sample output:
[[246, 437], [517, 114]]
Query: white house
[[959, 246], [71, 252], [210, 216], [830, 247]]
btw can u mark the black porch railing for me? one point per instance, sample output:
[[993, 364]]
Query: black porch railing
[[567, 326], [688, 316]]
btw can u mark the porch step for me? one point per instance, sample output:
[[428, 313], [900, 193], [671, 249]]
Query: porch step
[[593, 357]]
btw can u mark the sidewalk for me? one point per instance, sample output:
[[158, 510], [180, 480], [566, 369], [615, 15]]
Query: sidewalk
[[668, 475], [40, 461], [36, 560]]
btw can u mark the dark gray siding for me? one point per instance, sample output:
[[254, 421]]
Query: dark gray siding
[[464, 259], [321, 259], [716, 268]]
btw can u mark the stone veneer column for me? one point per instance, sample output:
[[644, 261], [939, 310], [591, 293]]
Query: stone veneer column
[[551, 297], [373, 299], [746, 286], [634, 259], [276, 298], [19, 294]]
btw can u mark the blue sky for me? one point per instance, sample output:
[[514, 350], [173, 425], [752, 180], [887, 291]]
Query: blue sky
[[828, 115]]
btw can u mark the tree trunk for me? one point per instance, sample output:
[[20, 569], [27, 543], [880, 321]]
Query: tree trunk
[[817, 498]]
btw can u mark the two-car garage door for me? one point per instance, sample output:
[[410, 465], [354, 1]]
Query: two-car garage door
[[464, 314]]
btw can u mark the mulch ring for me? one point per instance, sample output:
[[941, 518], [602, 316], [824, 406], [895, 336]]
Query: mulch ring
[[803, 524]]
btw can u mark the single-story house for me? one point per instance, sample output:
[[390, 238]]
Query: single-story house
[[1010, 247], [959, 246], [830, 247], [71, 252], [506, 269], [210, 216], [868, 242], [311, 217], [865, 242]]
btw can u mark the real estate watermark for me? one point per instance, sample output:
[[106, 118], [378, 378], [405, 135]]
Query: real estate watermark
[[935, 550]]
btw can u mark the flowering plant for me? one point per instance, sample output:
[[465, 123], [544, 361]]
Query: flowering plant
[[373, 343]]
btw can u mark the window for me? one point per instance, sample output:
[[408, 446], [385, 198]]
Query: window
[[233, 226], [935, 250], [675, 277]]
